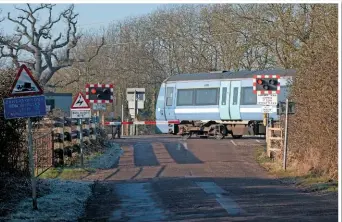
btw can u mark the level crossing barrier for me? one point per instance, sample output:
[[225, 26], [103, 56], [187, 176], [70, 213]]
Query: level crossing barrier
[[118, 123]]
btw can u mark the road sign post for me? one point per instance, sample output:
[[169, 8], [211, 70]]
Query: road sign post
[[81, 141], [80, 109], [29, 102]]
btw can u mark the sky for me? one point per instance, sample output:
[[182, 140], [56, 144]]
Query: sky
[[91, 16]]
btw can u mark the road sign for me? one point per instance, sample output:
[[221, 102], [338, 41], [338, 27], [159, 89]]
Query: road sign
[[267, 99], [99, 106], [80, 113], [24, 107], [80, 108], [80, 102], [267, 109], [24, 84]]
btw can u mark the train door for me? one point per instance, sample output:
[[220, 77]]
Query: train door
[[160, 112], [170, 101], [234, 97], [224, 100]]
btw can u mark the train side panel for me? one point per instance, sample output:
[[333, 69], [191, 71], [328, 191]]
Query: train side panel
[[197, 100]]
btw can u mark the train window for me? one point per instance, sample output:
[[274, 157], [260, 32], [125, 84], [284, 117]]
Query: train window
[[185, 97], [247, 96], [224, 96], [169, 96], [207, 96], [235, 95]]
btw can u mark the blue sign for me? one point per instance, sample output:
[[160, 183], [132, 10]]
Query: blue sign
[[24, 107]]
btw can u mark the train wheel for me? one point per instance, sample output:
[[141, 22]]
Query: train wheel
[[220, 132], [219, 136]]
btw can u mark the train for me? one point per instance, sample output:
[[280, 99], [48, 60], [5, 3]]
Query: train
[[218, 104]]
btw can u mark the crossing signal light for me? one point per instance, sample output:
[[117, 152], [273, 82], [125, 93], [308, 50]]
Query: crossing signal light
[[270, 84], [99, 93]]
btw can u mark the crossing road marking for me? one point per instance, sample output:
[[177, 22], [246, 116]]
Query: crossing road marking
[[233, 142], [221, 197]]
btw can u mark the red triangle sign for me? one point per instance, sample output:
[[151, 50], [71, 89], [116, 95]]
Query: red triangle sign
[[80, 102], [24, 84]]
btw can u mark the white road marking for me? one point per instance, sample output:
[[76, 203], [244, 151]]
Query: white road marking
[[224, 200], [233, 142], [185, 144], [258, 141], [136, 203]]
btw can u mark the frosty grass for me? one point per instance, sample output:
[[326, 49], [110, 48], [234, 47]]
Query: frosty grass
[[66, 201]]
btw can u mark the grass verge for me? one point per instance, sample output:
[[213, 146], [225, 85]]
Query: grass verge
[[66, 173], [310, 182]]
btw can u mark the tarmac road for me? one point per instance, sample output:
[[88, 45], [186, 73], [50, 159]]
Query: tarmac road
[[162, 178]]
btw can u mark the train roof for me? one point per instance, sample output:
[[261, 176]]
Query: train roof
[[230, 75]]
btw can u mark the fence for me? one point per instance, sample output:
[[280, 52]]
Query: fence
[[43, 152], [274, 141]]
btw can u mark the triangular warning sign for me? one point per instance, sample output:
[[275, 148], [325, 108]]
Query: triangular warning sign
[[24, 84], [80, 102]]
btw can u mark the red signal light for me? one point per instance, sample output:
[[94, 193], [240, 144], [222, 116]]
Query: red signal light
[[93, 91], [259, 81]]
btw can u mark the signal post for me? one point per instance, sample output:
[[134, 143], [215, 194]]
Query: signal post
[[100, 94], [267, 88]]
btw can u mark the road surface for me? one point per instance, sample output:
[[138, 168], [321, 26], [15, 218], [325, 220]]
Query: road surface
[[166, 179]]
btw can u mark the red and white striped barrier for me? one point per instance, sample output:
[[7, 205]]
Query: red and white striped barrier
[[141, 122]]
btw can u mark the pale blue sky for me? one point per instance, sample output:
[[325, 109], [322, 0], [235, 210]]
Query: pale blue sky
[[91, 16]]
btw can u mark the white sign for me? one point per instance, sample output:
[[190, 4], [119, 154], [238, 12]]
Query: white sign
[[99, 106], [267, 109], [80, 113], [267, 99]]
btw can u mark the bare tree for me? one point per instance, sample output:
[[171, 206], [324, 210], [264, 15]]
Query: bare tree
[[46, 58]]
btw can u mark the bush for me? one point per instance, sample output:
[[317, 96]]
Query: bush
[[313, 138], [13, 152]]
